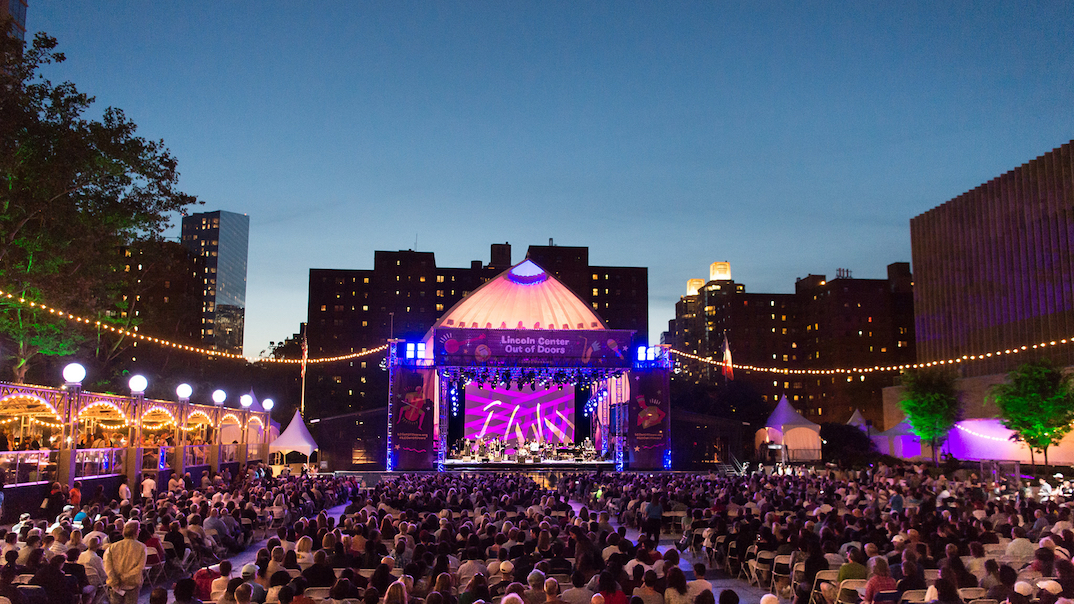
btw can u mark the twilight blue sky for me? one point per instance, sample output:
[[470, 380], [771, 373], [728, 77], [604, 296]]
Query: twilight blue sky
[[786, 138]]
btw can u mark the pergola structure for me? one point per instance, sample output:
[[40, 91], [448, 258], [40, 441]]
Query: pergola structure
[[68, 434]]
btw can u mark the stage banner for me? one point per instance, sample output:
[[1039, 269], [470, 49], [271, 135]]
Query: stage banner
[[649, 425], [412, 424], [459, 347]]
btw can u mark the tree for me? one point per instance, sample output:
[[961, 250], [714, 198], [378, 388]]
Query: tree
[[932, 404], [1037, 403], [74, 192], [845, 443]]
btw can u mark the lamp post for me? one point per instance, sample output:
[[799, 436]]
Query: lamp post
[[246, 401], [73, 375], [267, 405]]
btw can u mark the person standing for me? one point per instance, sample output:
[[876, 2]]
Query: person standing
[[149, 487], [124, 563]]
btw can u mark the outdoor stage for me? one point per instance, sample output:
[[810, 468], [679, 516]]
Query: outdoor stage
[[561, 465], [523, 362]]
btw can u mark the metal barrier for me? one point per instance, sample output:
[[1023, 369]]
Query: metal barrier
[[28, 467], [196, 455], [253, 452], [99, 462], [157, 458]]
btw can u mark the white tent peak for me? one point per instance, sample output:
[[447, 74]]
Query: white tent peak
[[857, 420], [784, 418], [295, 438]]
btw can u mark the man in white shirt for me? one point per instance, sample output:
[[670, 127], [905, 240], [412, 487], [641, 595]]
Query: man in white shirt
[[91, 559], [472, 566], [149, 486], [98, 532], [175, 484], [124, 564], [1020, 548], [698, 585]]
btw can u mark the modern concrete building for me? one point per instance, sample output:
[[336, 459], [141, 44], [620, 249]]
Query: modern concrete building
[[994, 269], [219, 242]]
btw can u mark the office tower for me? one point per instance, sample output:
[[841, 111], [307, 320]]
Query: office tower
[[219, 243], [16, 9], [994, 269]]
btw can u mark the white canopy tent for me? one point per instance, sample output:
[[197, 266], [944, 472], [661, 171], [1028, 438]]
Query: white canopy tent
[[857, 421], [799, 437], [295, 438], [899, 441]]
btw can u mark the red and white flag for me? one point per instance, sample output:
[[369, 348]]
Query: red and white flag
[[305, 354], [728, 368]]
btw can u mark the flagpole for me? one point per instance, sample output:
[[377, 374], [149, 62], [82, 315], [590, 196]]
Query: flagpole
[[302, 396]]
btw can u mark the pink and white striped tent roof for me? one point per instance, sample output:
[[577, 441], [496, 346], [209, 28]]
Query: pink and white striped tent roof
[[524, 296]]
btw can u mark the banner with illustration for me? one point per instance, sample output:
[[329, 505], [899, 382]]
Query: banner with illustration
[[461, 347], [648, 425], [412, 418]]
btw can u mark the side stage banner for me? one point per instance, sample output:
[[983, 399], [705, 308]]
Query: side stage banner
[[532, 348], [412, 421], [649, 426]]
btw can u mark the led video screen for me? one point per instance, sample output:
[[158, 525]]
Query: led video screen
[[545, 414]]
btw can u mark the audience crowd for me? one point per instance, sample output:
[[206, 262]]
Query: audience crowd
[[822, 536]]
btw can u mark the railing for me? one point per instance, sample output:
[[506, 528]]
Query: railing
[[229, 453], [28, 467], [253, 452], [99, 462], [196, 455], [157, 458]]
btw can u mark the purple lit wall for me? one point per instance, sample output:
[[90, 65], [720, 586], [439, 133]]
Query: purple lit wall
[[546, 415]]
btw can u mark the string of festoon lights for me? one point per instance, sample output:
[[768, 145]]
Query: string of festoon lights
[[184, 347], [354, 355], [878, 368]]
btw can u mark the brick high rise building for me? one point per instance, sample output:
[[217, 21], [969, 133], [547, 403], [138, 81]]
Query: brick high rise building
[[843, 322]]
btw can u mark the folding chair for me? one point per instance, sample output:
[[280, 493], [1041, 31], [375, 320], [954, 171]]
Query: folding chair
[[972, 593], [781, 569], [914, 596], [931, 574], [823, 576], [887, 597], [797, 576], [761, 567], [849, 591]]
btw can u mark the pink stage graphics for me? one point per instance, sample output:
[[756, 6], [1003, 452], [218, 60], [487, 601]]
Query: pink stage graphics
[[544, 415]]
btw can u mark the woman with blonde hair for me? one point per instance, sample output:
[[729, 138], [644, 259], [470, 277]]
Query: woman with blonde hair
[[328, 543], [304, 550], [396, 594], [445, 588]]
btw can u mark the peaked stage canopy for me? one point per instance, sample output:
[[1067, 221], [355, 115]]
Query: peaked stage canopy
[[295, 438], [523, 297]]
